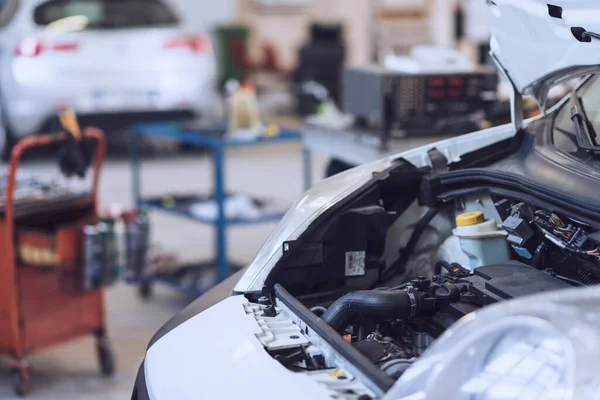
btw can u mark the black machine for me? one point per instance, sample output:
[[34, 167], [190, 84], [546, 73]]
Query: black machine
[[321, 61], [417, 104]]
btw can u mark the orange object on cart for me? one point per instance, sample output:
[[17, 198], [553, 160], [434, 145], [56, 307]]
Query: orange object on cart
[[42, 303]]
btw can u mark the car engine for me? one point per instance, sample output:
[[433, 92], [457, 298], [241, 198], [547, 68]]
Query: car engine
[[534, 250], [392, 326]]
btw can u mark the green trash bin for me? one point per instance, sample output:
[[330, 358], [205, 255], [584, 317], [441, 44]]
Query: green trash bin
[[232, 52]]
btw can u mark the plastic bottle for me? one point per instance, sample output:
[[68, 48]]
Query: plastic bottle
[[481, 240]]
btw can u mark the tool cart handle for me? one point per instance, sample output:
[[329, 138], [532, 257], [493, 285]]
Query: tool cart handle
[[30, 142]]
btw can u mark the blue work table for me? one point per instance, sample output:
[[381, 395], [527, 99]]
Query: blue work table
[[211, 136]]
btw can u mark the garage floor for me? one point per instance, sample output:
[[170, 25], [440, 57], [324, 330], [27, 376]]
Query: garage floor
[[71, 372]]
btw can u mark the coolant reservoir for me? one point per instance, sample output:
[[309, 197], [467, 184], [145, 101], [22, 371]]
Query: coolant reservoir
[[481, 240]]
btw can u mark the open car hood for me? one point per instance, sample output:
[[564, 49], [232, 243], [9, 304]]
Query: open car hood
[[540, 43]]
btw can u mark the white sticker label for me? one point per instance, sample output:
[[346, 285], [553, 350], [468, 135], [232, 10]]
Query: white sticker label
[[355, 263]]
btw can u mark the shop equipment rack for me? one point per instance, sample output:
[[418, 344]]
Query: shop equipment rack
[[45, 306], [212, 136]]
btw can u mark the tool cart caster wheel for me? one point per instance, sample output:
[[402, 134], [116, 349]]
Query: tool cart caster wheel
[[22, 382], [145, 290], [105, 357]]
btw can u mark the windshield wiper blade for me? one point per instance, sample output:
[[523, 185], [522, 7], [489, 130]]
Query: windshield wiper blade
[[585, 132]]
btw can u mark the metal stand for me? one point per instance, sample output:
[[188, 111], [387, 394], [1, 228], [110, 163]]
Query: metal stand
[[212, 138]]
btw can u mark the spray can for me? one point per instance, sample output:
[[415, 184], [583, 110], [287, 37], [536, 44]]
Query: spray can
[[92, 256], [137, 239], [103, 231], [109, 264]]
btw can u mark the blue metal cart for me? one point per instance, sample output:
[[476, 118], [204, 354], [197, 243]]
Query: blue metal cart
[[211, 136]]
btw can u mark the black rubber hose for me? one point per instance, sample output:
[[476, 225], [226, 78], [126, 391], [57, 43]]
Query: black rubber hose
[[366, 327], [437, 270], [372, 304], [407, 251]]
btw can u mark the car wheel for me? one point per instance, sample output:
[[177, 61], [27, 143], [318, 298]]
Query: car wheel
[[7, 140]]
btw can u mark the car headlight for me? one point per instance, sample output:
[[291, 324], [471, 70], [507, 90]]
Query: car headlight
[[515, 358], [315, 202], [539, 347]]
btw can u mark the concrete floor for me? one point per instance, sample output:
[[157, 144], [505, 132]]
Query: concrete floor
[[71, 371]]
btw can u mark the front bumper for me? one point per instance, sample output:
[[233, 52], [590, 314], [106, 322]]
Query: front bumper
[[218, 354], [24, 125], [140, 390], [30, 105], [215, 295]]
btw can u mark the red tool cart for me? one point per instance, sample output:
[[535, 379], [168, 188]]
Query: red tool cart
[[42, 299]]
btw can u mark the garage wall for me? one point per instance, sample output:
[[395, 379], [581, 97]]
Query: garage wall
[[355, 15], [288, 30], [285, 31], [442, 22]]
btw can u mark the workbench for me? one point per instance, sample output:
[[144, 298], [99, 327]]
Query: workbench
[[354, 146], [209, 135]]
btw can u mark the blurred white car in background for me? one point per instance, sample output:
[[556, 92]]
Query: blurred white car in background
[[113, 61]]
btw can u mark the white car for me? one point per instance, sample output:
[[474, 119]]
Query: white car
[[466, 269], [113, 61]]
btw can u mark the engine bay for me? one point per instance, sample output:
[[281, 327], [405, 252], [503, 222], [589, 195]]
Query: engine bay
[[393, 326], [486, 250]]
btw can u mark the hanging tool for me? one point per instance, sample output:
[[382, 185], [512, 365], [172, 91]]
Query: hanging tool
[[75, 156]]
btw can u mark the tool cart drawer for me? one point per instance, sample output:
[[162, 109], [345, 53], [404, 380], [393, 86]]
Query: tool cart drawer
[[36, 248], [53, 305]]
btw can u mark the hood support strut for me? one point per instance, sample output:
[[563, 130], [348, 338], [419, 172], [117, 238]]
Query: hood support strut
[[516, 99]]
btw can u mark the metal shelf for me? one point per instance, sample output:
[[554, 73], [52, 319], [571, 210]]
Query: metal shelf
[[182, 208], [211, 135], [206, 135], [185, 279]]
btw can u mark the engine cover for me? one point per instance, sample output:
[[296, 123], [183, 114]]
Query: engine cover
[[490, 284]]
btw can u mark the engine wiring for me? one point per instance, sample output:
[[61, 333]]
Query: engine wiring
[[564, 278], [561, 234], [557, 241]]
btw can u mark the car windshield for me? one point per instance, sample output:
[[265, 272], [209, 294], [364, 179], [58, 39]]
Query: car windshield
[[106, 14], [564, 133]]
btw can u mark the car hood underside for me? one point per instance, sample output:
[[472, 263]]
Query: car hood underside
[[539, 43]]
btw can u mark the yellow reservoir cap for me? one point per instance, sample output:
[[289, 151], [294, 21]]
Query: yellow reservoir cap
[[470, 218]]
